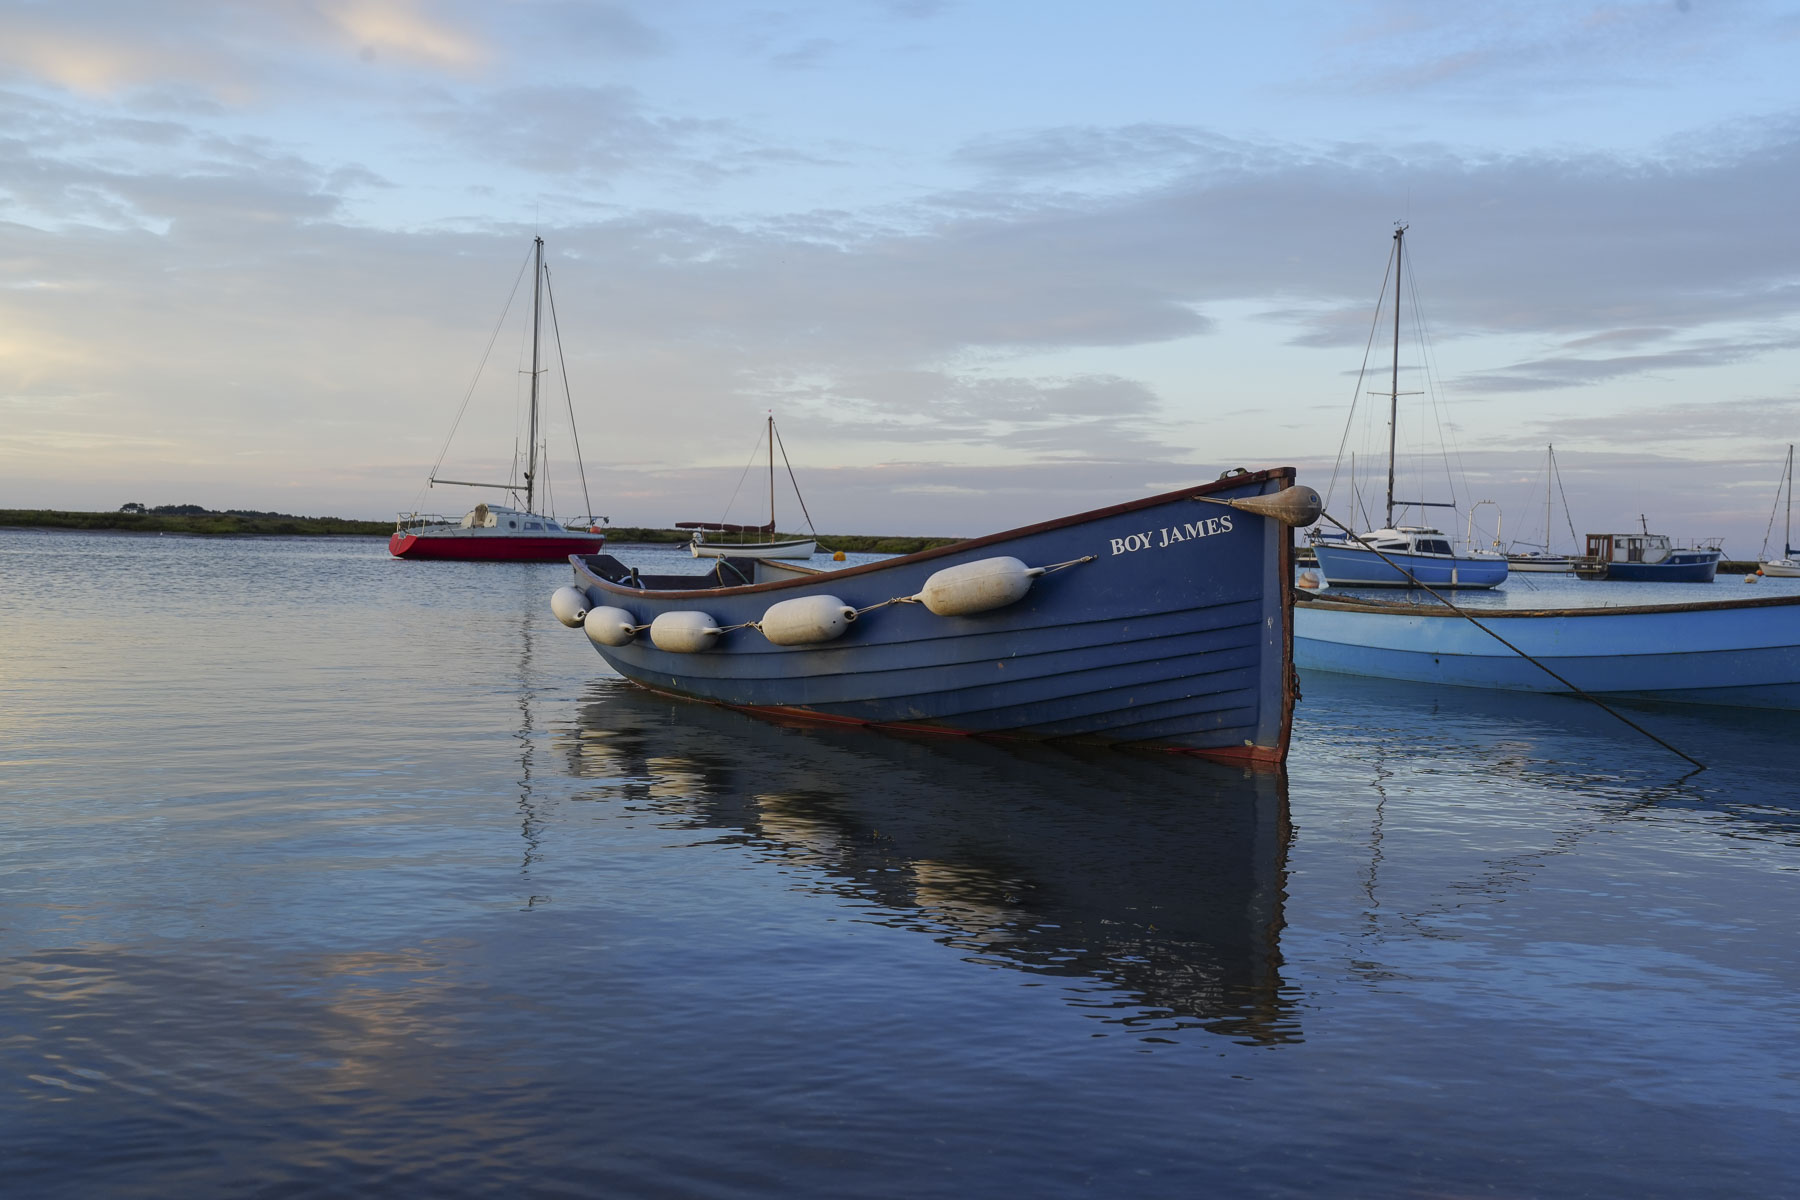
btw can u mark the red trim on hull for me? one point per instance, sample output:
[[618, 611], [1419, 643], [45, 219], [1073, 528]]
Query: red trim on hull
[[494, 549], [1257, 757]]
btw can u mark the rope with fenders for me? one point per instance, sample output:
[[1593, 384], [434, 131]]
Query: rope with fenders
[[1595, 701], [1033, 571]]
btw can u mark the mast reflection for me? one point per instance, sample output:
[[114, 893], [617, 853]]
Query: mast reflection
[[1158, 881]]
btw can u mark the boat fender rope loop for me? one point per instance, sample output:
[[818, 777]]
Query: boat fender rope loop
[[1073, 562], [895, 600]]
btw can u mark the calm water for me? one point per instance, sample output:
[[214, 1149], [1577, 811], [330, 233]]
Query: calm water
[[322, 873]]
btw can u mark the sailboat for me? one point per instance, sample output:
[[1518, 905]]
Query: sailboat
[[1785, 567], [752, 541], [1542, 559], [498, 532], [1400, 555]]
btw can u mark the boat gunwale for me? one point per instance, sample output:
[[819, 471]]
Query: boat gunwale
[[1217, 485], [1412, 609]]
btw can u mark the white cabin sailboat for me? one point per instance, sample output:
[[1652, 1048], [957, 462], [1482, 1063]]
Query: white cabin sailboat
[[1542, 559], [753, 541], [1403, 555], [1787, 566]]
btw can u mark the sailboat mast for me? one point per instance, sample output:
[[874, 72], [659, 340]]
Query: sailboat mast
[[537, 291], [1787, 540], [1549, 478], [1394, 392], [771, 433]]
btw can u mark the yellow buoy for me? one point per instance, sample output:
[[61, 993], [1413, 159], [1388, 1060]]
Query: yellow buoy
[[838, 557]]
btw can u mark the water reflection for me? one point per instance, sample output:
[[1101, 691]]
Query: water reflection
[[1505, 740], [1154, 880], [531, 822]]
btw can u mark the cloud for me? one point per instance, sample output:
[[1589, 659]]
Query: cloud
[[1769, 419], [1083, 417], [401, 28], [1550, 374], [808, 54], [1535, 48], [914, 10], [170, 52], [587, 27], [599, 135]]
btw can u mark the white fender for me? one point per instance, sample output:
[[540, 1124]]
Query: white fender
[[684, 632], [977, 586], [807, 620], [570, 605], [609, 626]]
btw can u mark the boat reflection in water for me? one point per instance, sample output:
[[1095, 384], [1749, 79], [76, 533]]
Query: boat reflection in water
[[1159, 878], [1559, 741]]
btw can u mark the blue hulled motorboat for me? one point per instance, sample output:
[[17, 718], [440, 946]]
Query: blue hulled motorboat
[[1163, 622], [1646, 558]]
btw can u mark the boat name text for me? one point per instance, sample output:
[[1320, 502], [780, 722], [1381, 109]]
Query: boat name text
[[1171, 534]]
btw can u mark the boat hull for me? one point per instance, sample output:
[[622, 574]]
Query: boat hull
[[1176, 634], [1540, 566], [1353, 566], [1781, 568], [790, 550], [1742, 653], [451, 547]]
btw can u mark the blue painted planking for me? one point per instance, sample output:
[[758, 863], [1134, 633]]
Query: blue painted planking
[[1162, 640]]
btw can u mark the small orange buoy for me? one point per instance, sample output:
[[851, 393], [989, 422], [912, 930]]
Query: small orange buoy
[[838, 557]]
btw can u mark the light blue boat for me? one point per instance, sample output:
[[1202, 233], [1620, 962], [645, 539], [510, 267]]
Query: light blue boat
[[1744, 653]]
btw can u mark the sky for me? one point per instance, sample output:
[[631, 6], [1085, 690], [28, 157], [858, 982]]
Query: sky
[[987, 262]]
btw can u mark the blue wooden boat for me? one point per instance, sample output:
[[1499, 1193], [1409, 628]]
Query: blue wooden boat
[[1734, 652], [1646, 558], [1163, 622]]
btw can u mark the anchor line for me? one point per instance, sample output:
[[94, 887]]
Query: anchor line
[[1595, 701]]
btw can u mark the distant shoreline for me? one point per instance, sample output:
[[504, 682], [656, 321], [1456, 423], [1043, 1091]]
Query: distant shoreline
[[217, 524], [209, 524]]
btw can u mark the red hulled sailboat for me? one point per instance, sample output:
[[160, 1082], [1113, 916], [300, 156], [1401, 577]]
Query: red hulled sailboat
[[497, 532]]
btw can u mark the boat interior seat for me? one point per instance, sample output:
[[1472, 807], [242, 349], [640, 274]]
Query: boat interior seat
[[725, 573]]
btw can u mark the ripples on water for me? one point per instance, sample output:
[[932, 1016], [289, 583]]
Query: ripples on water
[[326, 873]]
